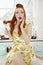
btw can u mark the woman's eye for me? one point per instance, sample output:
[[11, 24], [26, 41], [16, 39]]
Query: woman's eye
[[17, 12], [21, 12]]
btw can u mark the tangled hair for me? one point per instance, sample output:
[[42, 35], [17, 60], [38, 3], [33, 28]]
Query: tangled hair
[[13, 22]]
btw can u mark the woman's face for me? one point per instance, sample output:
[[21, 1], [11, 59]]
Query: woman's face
[[19, 14]]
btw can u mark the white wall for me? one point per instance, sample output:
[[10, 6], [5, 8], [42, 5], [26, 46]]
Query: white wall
[[38, 17], [7, 8]]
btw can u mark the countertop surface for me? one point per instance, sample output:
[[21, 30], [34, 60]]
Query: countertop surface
[[32, 40]]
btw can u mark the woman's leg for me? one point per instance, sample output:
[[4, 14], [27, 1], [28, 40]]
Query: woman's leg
[[12, 63], [18, 59]]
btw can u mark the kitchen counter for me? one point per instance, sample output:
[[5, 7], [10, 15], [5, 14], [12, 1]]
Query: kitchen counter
[[33, 42], [2, 60]]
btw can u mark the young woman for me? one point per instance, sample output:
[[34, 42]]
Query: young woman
[[20, 33]]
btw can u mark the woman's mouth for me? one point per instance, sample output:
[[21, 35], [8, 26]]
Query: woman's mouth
[[19, 17]]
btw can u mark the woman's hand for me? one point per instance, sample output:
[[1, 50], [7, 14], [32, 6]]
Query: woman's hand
[[26, 33], [21, 26]]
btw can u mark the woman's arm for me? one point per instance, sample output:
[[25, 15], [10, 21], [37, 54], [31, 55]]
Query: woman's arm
[[7, 28], [39, 56], [7, 31], [27, 34]]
